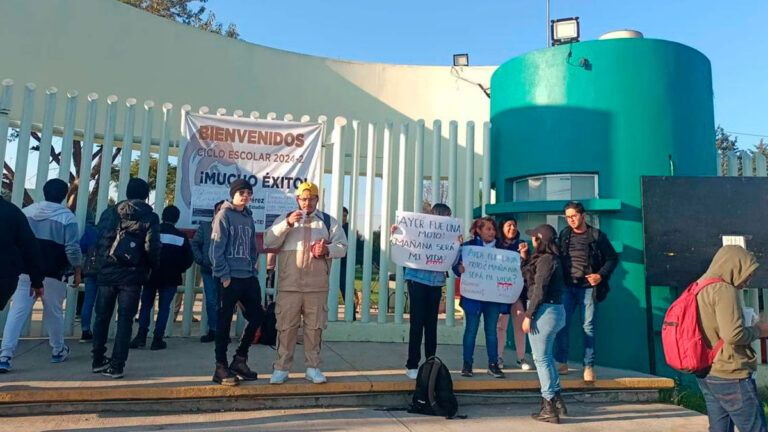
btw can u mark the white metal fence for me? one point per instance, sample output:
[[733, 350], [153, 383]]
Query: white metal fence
[[358, 151]]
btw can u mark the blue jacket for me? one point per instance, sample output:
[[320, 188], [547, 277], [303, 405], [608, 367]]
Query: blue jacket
[[472, 306]]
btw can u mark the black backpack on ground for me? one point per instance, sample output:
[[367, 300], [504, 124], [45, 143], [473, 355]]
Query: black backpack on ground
[[434, 390], [267, 334]]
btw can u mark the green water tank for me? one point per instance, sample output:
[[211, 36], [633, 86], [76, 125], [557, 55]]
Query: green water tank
[[586, 121]]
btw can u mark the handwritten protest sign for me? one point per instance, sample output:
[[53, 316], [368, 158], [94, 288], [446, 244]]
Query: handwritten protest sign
[[424, 241], [491, 274]]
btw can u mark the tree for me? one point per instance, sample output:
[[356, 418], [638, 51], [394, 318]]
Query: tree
[[184, 12], [725, 144], [170, 185]]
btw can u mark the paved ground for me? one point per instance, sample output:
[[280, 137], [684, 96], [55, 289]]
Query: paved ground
[[502, 418]]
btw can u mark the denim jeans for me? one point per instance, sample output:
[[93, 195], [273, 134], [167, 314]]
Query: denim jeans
[[490, 312], [211, 293], [425, 304], [574, 298], [548, 320], [732, 402], [165, 294], [127, 299], [89, 301]]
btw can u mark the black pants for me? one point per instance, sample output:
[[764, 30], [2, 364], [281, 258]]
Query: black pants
[[7, 288], [248, 293], [127, 299], [425, 303]]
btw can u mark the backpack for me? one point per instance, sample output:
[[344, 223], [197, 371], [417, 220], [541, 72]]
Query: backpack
[[685, 346], [128, 247], [267, 333], [434, 390]]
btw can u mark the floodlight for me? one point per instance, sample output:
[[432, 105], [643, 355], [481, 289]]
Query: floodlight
[[461, 60], [565, 30]]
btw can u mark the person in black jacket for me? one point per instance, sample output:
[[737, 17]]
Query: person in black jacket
[[129, 245], [21, 253], [588, 260], [544, 317], [175, 259]]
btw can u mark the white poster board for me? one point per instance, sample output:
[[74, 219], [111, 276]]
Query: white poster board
[[273, 156], [425, 241], [491, 274]]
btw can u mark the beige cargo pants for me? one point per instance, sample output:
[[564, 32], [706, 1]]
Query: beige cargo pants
[[291, 306]]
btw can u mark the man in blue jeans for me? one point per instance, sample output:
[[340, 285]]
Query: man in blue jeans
[[122, 272], [201, 246], [175, 259], [588, 260], [728, 386]]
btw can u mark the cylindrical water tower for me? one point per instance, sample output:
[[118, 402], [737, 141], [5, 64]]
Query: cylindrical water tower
[[586, 121]]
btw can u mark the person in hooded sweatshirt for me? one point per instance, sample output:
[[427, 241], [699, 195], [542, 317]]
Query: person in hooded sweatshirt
[[129, 246], [234, 258], [175, 259], [22, 255], [58, 238], [729, 386]]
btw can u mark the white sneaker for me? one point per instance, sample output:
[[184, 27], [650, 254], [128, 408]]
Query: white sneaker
[[500, 362], [278, 376], [314, 375], [524, 365], [412, 373]]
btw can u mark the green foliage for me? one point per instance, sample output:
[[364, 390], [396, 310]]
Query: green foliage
[[170, 185], [189, 12]]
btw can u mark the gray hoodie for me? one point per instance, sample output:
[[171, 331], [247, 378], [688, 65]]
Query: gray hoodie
[[233, 243], [58, 236]]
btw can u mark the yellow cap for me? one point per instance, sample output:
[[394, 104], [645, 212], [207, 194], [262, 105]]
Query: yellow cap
[[307, 186]]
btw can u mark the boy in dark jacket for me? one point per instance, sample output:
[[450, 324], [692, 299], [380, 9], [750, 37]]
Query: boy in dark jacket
[[22, 254], [201, 244], [132, 226], [175, 259]]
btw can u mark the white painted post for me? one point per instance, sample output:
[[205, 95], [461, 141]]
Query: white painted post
[[320, 173], [733, 164], [105, 171], [44, 155], [146, 140], [181, 145], [65, 164], [370, 184], [127, 153], [453, 187], [337, 194], [6, 101], [162, 161], [86, 160], [486, 168], [760, 165], [386, 177], [437, 138], [401, 167], [221, 112], [469, 176], [349, 295], [746, 163], [22, 150], [418, 162]]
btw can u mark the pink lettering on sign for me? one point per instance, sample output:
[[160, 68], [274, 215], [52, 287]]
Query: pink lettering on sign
[[434, 261], [504, 284]]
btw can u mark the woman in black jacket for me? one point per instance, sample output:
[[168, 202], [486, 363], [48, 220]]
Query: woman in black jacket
[[544, 317]]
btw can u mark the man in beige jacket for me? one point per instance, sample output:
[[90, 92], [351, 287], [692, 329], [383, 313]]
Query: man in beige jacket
[[729, 388], [308, 240]]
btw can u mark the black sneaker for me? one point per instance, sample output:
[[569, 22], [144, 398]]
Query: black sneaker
[[113, 372], [86, 337], [101, 365], [209, 337], [494, 371], [158, 344], [140, 341], [240, 368], [466, 371], [224, 376]]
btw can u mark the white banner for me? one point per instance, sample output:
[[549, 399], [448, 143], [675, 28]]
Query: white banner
[[274, 156], [491, 274], [425, 241]]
